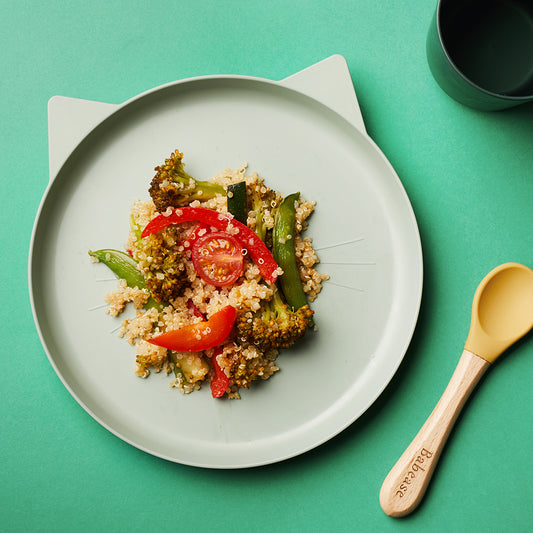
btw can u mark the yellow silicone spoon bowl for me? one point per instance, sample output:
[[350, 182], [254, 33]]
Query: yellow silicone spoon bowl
[[502, 313]]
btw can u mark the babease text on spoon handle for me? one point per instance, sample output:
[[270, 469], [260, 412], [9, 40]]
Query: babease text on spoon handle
[[406, 483]]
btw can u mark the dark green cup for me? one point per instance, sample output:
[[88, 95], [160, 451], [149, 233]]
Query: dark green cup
[[481, 51]]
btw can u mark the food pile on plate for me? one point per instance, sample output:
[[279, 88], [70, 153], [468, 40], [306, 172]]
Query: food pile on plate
[[220, 275]]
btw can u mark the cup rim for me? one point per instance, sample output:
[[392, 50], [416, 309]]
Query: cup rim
[[500, 96]]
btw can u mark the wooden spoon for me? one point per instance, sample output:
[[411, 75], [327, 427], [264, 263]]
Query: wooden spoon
[[502, 313]]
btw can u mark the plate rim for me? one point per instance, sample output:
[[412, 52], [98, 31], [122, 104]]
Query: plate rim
[[279, 457]]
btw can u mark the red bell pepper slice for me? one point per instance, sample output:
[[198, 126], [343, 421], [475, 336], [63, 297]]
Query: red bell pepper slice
[[193, 310], [201, 336], [257, 249], [220, 382]]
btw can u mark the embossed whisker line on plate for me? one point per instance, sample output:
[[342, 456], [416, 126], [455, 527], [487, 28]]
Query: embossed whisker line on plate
[[343, 243], [329, 282], [105, 279], [347, 262], [96, 307], [114, 330]]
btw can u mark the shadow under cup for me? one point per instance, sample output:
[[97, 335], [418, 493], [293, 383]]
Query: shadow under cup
[[481, 51]]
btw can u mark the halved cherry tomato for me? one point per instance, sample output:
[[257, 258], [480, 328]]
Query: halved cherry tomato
[[200, 336], [218, 258], [220, 382], [257, 250]]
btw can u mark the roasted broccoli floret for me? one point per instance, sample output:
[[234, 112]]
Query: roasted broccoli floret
[[274, 326], [162, 264], [263, 201], [242, 369], [173, 187], [149, 356]]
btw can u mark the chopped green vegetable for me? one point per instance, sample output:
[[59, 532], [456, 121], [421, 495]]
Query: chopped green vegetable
[[124, 267], [284, 253], [237, 201], [262, 200], [192, 367]]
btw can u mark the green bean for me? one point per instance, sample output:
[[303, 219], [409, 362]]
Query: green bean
[[124, 267], [284, 253]]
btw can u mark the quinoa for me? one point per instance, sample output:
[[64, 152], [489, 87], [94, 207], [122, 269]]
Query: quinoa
[[307, 259], [184, 298], [118, 298]]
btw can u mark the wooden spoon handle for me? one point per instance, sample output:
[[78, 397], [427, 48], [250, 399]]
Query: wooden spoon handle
[[406, 483]]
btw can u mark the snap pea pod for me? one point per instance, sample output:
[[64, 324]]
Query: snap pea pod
[[125, 267], [284, 253]]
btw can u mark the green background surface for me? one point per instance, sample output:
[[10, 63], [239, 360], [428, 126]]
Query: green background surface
[[468, 175]]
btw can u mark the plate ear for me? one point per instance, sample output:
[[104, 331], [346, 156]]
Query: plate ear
[[329, 81], [69, 121]]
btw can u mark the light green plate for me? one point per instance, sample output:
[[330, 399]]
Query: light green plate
[[304, 133]]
